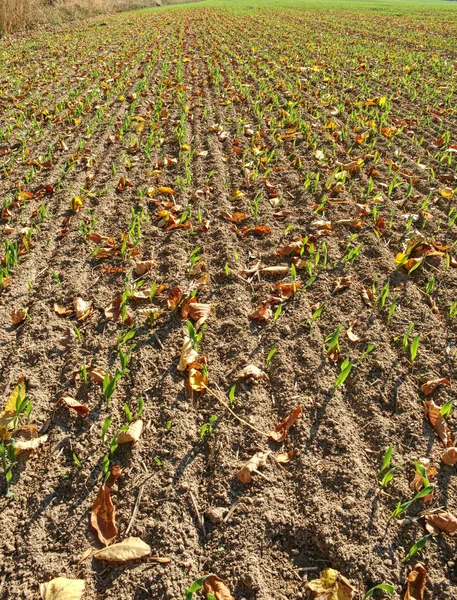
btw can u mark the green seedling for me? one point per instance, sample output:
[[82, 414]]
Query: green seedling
[[414, 347], [385, 587], [271, 355], [196, 586], [453, 309], [8, 460], [345, 369], [207, 428], [403, 506], [419, 545], [333, 340], [316, 314], [232, 396], [446, 409]]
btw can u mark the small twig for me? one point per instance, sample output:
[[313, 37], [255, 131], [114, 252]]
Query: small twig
[[157, 339], [199, 516], [304, 569], [231, 511], [234, 414], [135, 510]]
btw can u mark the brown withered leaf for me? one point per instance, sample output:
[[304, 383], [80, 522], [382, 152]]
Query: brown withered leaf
[[292, 249], [67, 338], [102, 516], [261, 229], [82, 308], [199, 312], [174, 297], [280, 432], [61, 310], [97, 375], [418, 483], [284, 457], [438, 422], [188, 354], [215, 586], [236, 217], [197, 378], [342, 282], [62, 588], [275, 270], [74, 405], [113, 310], [429, 386], [287, 290], [116, 472], [352, 337], [449, 456], [143, 266], [254, 463], [132, 434], [184, 306], [252, 372], [415, 583], [18, 315], [131, 548], [441, 522], [263, 312], [367, 295]]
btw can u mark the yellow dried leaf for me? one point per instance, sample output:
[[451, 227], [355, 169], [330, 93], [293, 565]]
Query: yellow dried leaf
[[62, 588], [331, 586], [132, 434], [129, 549]]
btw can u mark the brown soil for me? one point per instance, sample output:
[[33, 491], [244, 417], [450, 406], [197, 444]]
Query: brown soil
[[323, 509]]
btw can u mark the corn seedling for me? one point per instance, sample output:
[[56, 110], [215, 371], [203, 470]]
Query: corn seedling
[[207, 428], [385, 587], [418, 546]]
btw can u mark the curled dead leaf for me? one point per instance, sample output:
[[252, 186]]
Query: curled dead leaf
[[258, 460], [67, 338], [132, 434], [252, 372], [18, 315], [129, 549], [275, 270], [342, 282], [441, 522], [352, 337], [199, 312], [215, 586], [61, 310], [188, 354], [292, 249], [32, 444], [280, 432], [174, 297], [367, 295], [263, 312], [449, 456], [429, 386], [97, 375], [331, 585], [415, 583], [431, 472], [82, 308], [287, 290], [62, 588], [438, 422], [197, 379], [102, 516], [143, 266], [284, 457], [113, 310], [74, 405]]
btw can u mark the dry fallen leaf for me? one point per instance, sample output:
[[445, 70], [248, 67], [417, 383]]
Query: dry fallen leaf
[[415, 584], [82, 308], [132, 434], [331, 585], [199, 312], [188, 354], [97, 375], [438, 422], [143, 266], [62, 588], [252, 372], [18, 315], [215, 586], [429, 386], [129, 549], [113, 310], [67, 338], [197, 378], [32, 444], [449, 456], [287, 290], [441, 522], [61, 310], [102, 517], [174, 297], [431, 472], [74, 404], [367, 295], [275, 270], [342, 282], [284, 457], [263, 312], [292, 249], [280, 432], [258, 460], [352, 337]]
